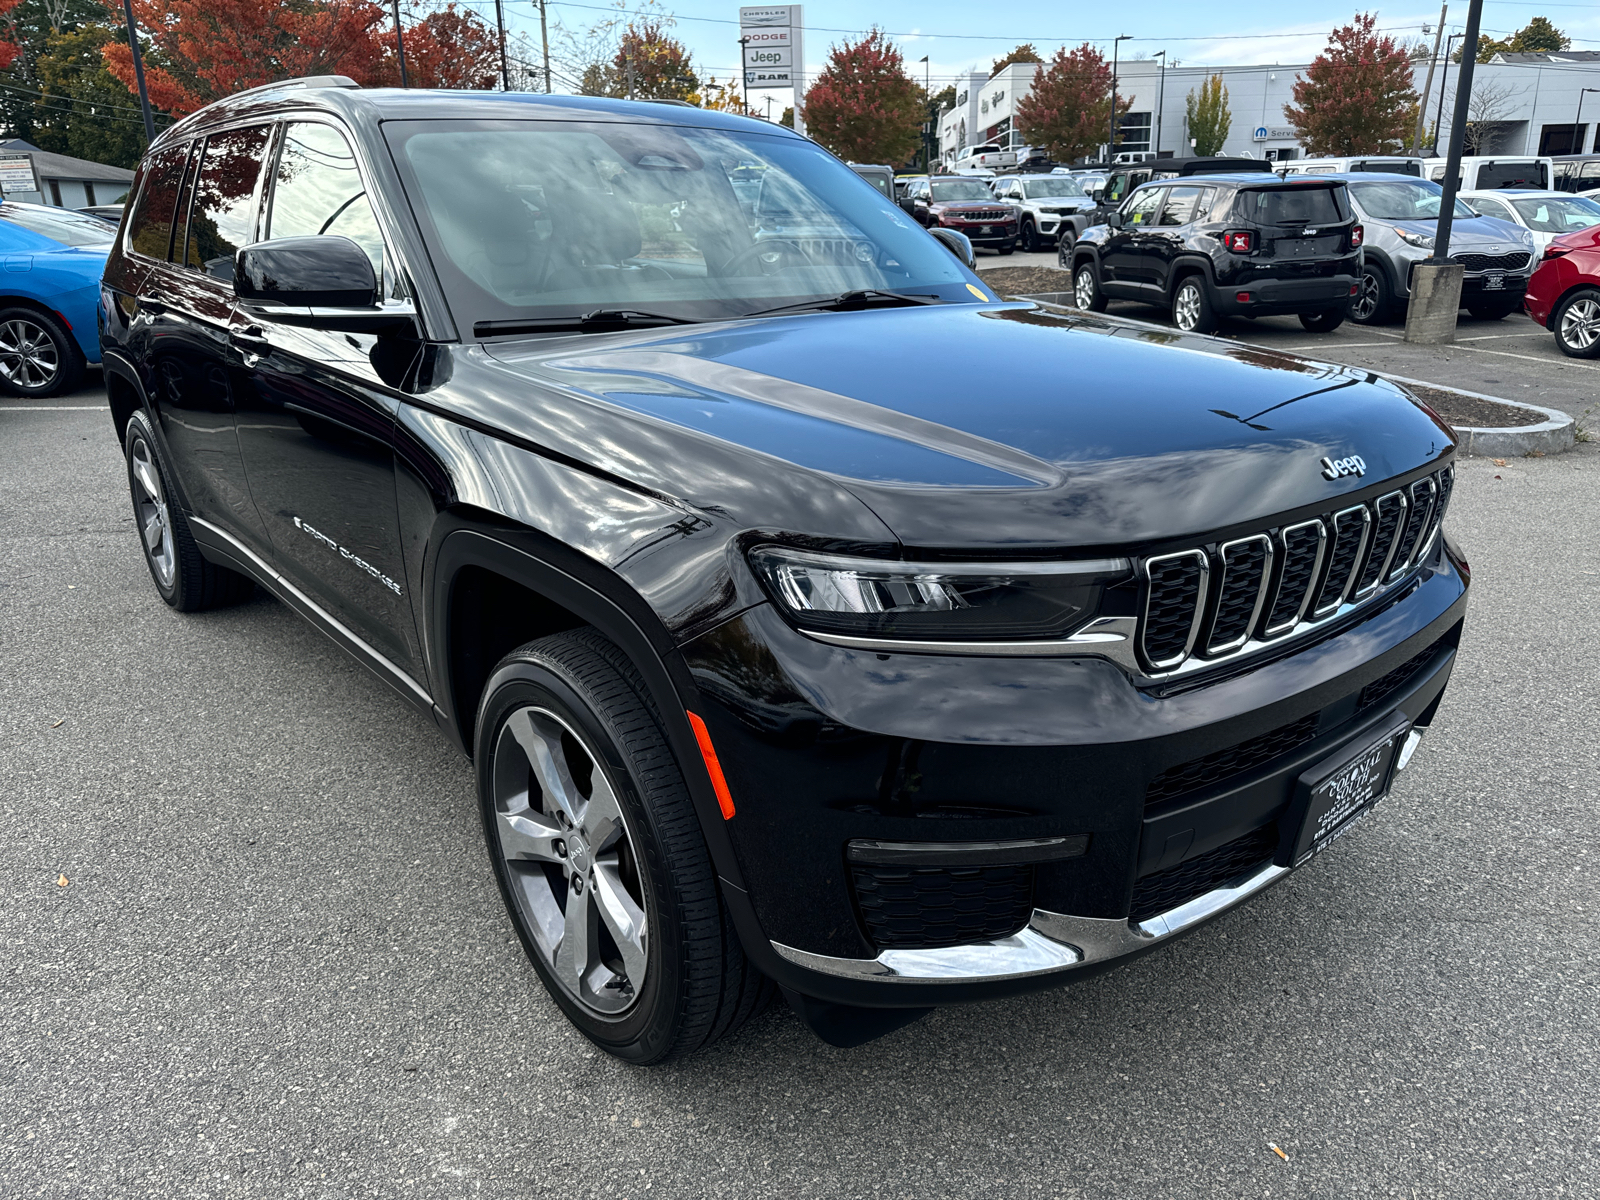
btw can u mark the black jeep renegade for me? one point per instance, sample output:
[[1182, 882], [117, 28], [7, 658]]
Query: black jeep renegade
[[1244, 245], [638, 446]]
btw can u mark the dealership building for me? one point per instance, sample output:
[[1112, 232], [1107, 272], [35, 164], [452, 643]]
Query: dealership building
[[1523, 104]]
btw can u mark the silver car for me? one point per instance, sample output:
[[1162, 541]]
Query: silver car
[[1400, 215], [1053, 207]]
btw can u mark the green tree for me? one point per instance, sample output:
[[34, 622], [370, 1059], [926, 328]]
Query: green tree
[[1209, 117], [1356, 96], [946, 100], [1538, 35], [29, 26], [85, 111], [1024, 53]]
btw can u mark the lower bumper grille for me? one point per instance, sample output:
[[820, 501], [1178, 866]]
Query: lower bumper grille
[[925, 908], [1167, 889], [1234, 761]]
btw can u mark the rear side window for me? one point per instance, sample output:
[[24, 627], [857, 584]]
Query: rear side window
[[150, 223], [1292, 206], [223, 210]]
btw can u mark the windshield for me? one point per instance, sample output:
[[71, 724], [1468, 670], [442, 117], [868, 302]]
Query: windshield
[[1041, 189], [961, 189], [532, 219], [1549, 214], [63, 225], [1405, 200]]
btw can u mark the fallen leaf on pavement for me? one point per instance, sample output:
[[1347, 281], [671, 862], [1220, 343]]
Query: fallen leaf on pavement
[[1499, 462], [61, 881], [59, 723]]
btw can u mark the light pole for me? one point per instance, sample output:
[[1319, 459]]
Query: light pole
[[1161, 96], [138, 75], [1111, 134], [1577, 123], [744, 68], [927, 106], [1444, 74], [400, 45], [500, 25], [544, 42]]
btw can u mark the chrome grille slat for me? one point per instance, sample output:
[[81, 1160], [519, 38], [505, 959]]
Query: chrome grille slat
[[1236, 597], [1301, 547]]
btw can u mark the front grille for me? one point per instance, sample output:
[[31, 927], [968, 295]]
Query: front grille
[[1175, 589], [998, 214], [1167, 889], [1314, 570], [925, 908], [1492, 262], [1234, 761], [1379, 690]]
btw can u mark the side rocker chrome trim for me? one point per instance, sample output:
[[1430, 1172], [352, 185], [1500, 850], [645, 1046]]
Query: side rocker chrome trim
[[238, 548], [1051, 942]]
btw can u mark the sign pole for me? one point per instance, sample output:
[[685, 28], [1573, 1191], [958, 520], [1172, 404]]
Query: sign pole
[[138, 73], [400, 45]]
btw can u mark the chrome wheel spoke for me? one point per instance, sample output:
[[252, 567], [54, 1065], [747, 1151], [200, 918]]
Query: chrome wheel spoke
[[573, 956], [602, 817], [154, 529], [541, 742], [624, 919], [529, 836], [145, 473]]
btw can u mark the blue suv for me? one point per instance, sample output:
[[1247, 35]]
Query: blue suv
[[51, 260]]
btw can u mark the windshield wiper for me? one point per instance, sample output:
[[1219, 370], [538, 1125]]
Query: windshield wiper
[[851, 302], [598, 321]]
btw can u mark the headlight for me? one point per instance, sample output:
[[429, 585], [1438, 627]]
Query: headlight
[[1413, 239], [935, 601]]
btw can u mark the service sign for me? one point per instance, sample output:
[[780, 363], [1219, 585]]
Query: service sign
[[16, 173]]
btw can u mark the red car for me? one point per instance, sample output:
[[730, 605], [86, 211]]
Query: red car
[[1564, 293], [965, 202]]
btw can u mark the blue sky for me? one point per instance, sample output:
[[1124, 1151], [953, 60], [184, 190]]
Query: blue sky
[[957, 39]]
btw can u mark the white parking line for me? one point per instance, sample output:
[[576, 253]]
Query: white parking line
[[55, 408]]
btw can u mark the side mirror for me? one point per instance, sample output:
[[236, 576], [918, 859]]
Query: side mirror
[[314, 271], [958, 244], [1097, 194], [320, 282], [1114, 219]]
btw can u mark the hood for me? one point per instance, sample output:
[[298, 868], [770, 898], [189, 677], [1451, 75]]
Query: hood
[[1465, 231], [968, 426]]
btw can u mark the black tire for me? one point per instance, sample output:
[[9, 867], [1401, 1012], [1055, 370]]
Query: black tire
[[1008, 248], [1576, 323], [1030, 238], [38, 357], [1373, 303], [1191, 306], [1494, 310], [1086, 282], [1325, 321], [698, 986], [185, 579]]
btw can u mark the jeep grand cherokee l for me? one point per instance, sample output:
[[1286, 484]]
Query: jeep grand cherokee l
[[1244, 245], [780, 661]]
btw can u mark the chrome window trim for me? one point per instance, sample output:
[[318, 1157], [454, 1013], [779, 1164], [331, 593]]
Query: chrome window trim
[[1199, 605], [1274, 632], [1317, 613], [1049, 943], [1382, 577], [1261, 591]]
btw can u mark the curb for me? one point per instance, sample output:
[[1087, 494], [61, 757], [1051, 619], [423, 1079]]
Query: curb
[[1556, 434]]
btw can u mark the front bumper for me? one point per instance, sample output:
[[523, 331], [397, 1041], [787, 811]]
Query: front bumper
[[1000, 233], [825, 747]]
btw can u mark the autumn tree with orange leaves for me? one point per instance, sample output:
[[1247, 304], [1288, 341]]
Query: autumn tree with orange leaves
[[198, 51]]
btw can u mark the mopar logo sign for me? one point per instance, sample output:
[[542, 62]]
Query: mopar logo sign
[[1260, 134]]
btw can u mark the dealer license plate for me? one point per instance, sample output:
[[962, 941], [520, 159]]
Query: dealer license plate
[[1335, 794], [1494, 283], [985, 229]]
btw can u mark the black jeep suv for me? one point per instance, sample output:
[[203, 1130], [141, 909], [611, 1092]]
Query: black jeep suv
[[781, 662], [1244, 245]]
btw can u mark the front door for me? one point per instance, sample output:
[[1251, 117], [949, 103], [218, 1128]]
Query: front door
[[190, 298], [1121, 260], [316, 417]]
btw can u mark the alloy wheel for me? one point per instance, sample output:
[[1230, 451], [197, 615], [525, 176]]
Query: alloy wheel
[[572, 863], [1366, 302], [150, 506], [1083, 287], [28, 355], [1580, 324], [1186, 310]]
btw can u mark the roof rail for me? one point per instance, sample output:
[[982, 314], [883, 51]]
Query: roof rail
[[304, 81]]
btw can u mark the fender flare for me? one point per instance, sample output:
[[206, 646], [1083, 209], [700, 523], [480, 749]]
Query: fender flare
[[1181, 270]]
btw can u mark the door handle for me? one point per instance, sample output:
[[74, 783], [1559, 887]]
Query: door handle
[[252, 339], [152, 305]]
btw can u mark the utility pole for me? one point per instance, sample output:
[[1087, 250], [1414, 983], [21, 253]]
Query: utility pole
[[744, 76], [1444, 73], [400, 45], [1111, 136], [1161, 96], [931, 118], [1427, 88], [500, 24], [544, 42], [1577, 125], [138, 75], [630, 74]]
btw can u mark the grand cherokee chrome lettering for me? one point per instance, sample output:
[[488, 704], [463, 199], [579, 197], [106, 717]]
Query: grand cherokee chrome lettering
[[354, 559]]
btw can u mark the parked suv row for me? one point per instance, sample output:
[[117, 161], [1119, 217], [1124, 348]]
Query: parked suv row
[[1225, 245]]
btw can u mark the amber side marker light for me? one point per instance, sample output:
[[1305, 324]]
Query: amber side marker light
[[708, 752]]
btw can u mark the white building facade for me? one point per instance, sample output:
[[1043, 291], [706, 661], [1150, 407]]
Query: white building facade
[[1524, 104]]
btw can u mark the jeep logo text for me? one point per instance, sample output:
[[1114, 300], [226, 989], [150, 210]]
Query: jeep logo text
[[1339, 468]]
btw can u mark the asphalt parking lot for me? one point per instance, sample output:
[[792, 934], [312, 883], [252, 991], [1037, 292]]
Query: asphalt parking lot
[[252, 946], [1511, 358]]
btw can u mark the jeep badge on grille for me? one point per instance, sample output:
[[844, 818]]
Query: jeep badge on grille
[[1354, 465]]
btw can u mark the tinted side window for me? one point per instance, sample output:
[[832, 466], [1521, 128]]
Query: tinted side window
[[1141, 209], [317, 191], [180, 227], [223, 211], [150, 223], [1116, 189], [1180, 206]]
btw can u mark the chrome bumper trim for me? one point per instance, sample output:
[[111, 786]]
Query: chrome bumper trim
[[1052, 942]]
